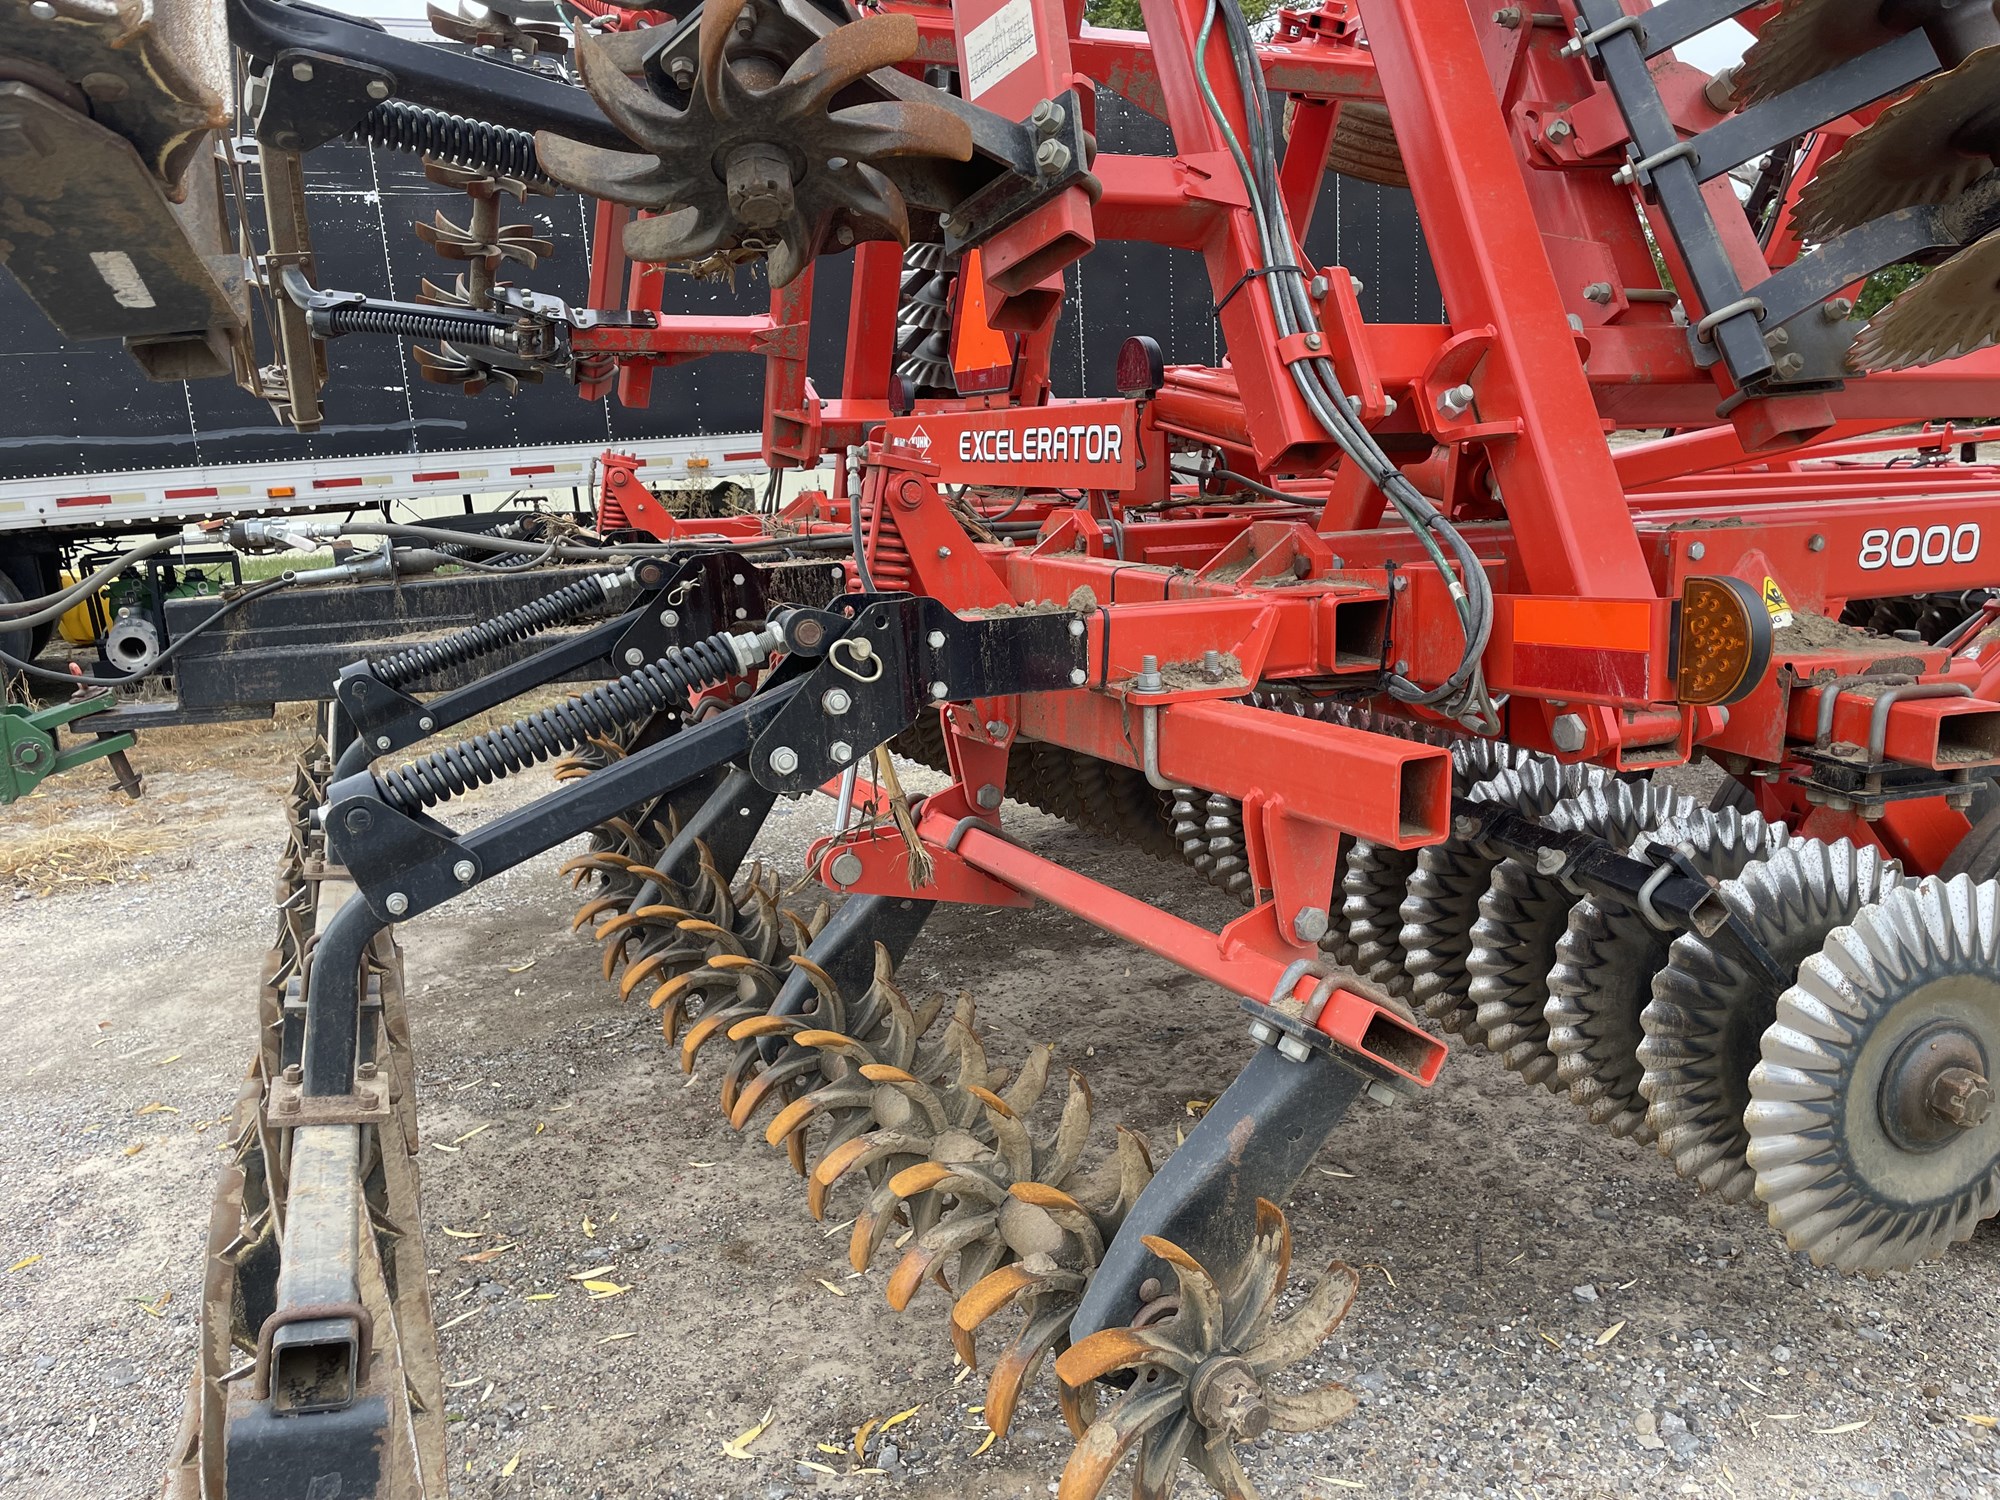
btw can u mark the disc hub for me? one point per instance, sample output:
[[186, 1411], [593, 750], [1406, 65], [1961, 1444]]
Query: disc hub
[[1934, 1087], [1225, 1396]]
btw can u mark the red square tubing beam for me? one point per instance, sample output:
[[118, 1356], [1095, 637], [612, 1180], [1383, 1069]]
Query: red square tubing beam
[[1353, 1019]]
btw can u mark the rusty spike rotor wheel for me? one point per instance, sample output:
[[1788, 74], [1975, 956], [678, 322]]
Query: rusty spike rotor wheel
[[1954, 310], [1199, 1381], [758, 164]]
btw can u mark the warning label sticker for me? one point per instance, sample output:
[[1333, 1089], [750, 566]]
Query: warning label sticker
[[998, 45], [1775, 601]]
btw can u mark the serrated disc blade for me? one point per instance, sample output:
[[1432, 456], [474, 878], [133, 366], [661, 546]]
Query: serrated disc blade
[[1805, 39], [1365, 148], [1954, 310], [1923, 149]]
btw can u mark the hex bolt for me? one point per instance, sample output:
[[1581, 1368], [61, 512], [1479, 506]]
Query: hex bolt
[[844, 868], [1457, 401], [1149, 679], [1466, 828], [634, 657], [427, 723], [41, 10], [1509, 17], [944, 552], [841, 751], [1815, 543], [302, 71], [784, 760], [1211, 665], [1263, 1033], [1792, 366], [1548, 861], [1296, 1050], [1568, 733], [294, 1074], [1777, 338], [995, 729], [378, 89], [1697, 551], [1319, 288], [1839, 310], [288, 1105], [463, 871], [1358, 284], [1076, 627], [681, 70], [940, 690], [1558, 131], [1314, 341], [364, 1070], [359, 819], [1047, 117], [1078, 677], [935, 639], [836, 700], [1052, 158], [397, 904], [383, 742], [1599, 292], [670, 618], [1310, 925], [1963, 1097], [988, 796]]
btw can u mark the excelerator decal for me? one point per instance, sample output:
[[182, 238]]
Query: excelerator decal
[[1090, 442]]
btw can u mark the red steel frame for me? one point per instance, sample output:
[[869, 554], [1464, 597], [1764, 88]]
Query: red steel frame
[[1587, 559]]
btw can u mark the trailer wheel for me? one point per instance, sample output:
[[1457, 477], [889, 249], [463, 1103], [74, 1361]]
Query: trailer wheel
[[25, 644]]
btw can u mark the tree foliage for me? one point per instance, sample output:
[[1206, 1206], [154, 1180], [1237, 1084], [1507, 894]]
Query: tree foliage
[[1124, 15]]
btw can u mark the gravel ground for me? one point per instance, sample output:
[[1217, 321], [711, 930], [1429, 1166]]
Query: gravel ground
[[1544, 1312]]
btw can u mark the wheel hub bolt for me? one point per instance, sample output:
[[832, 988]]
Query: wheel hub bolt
[[1226, 1397], [1963, 1097]]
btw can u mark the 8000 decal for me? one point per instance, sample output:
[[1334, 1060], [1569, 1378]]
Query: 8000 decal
[[1912, 547]]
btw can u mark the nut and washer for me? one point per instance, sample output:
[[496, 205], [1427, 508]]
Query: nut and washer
[[836, 700], [940, 691], [988, 796], [1296, 1050], [634, 657], [841, 751], [935, 639], [383, 742], [784, 760], [1568, 733], [463, 871], [397, 904], [670, 618], [1310, 925]]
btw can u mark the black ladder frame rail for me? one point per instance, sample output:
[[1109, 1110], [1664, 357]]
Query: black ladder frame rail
[[405, 863], [1737, 320], [711, 591]]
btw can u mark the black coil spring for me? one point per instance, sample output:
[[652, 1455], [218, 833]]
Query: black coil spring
[[442, 326], [603, 710], [499, 149], [532, 618]]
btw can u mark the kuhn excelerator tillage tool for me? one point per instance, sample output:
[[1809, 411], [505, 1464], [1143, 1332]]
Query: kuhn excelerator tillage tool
[[1370, 622]]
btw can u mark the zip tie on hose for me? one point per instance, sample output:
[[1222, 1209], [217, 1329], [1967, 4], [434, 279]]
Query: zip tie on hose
[[551, 731], [516, 625]]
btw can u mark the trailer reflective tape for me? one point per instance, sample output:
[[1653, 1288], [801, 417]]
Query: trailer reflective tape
[[523, 470], [208, 493], [1597, 646], [338, 484], [435, 477], [68, 501], [740, 458]]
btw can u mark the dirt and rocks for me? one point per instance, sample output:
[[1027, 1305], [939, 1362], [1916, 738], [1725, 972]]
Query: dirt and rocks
[[1545, 1312]]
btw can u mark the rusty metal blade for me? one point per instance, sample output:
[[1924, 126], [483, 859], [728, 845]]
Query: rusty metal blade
[[1954, 310], [1805, 39], [1924, 148]]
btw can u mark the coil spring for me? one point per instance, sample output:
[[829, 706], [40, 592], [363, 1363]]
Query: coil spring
[[441, 326], [603, 710], [890, 567], [537, 615], [499, 149]]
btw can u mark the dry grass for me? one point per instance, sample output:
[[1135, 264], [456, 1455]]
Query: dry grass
[[41, 862]]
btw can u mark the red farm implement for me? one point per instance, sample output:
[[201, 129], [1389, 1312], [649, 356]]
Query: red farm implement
[[1396, 631]]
